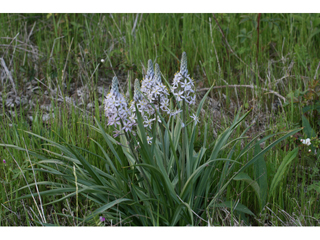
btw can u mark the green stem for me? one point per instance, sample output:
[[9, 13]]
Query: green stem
[[162, 131], [137, 160], [183, 154]]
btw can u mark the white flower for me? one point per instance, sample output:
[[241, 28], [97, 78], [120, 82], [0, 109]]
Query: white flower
[[179, 96], [164, 105], [127, 126], [102, 60], [184, 84], [195, 118], [148, 122], [306, 141], [149, 139]]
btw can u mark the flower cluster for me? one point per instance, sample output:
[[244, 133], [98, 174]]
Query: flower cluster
[[153, 88], [154, 93], [143, 106], [182, 83], [152, 96], [116, 107]]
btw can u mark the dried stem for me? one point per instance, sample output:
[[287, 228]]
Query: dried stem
[[8, 74]]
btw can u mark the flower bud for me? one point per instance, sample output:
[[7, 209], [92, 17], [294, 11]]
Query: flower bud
[[115, 86], [157, 74], [184, 65], [137, 91], [150, 71]]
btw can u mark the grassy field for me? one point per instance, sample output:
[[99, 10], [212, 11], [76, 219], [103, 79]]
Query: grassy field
[[56, 69]]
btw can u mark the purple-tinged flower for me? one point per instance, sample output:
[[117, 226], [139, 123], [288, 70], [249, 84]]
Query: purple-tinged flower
[[102, 219], [4, 161]]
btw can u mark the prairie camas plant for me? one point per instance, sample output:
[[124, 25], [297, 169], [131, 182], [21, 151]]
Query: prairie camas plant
[[156, 169]]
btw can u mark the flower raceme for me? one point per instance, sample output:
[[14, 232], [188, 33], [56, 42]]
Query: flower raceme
[[182, 83], [152, 96], [116, 107]]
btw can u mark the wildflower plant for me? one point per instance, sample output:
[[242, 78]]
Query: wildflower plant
[[153, 174]]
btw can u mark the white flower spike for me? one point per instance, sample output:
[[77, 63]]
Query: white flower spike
[[183, 85]]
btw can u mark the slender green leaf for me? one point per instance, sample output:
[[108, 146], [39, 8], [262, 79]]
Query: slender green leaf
[[283, 166]]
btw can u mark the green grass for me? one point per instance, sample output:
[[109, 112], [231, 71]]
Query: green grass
[[69, 52]]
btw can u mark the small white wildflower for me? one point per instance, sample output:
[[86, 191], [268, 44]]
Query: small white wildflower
[[195, 119], [306, 141], [184, 84], [149, 139], [127, 126], [148, 122], [309, 150], [102, 60], [179, 96]]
